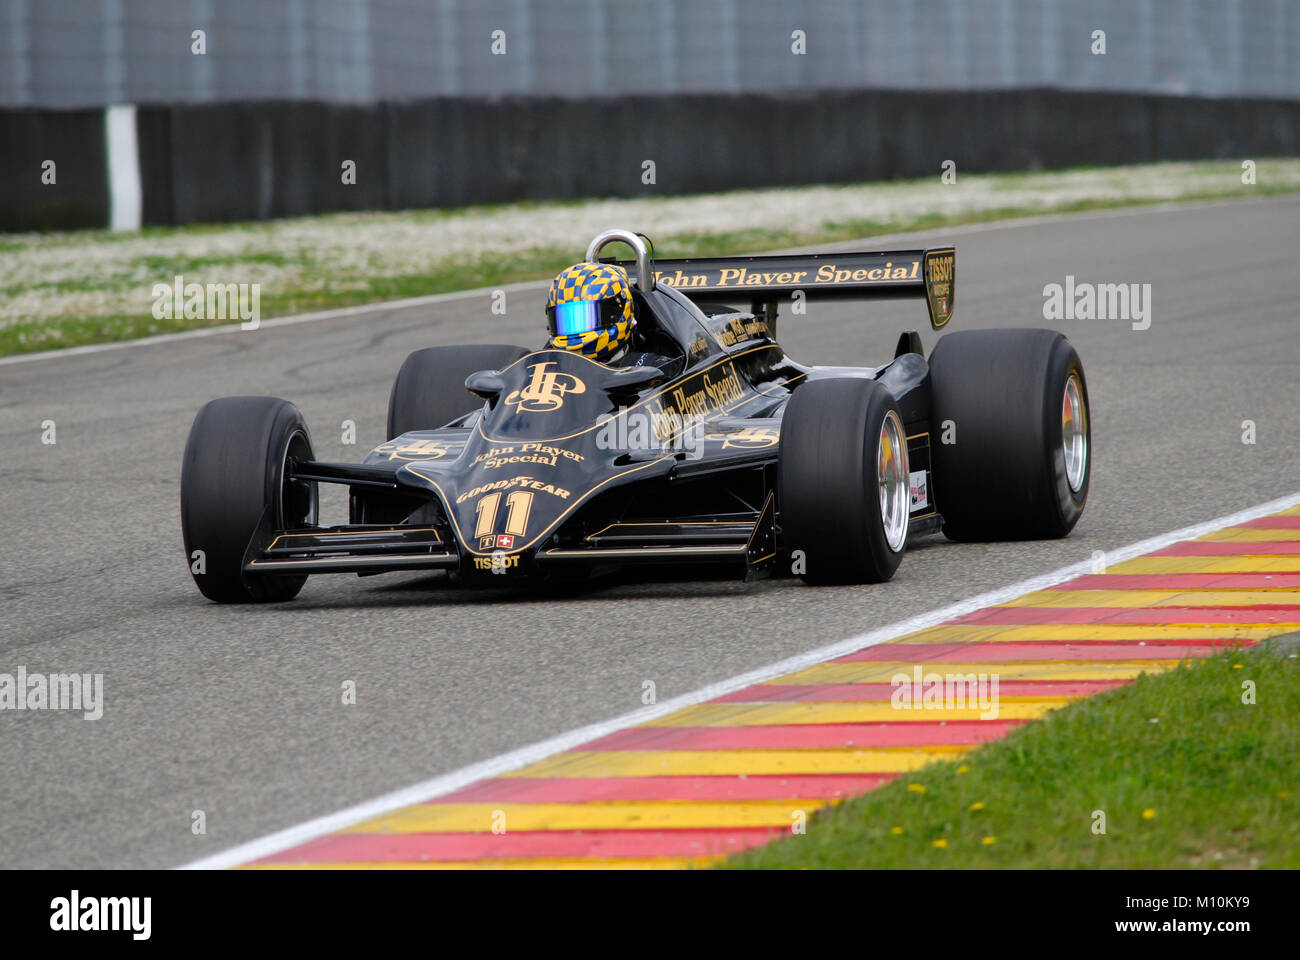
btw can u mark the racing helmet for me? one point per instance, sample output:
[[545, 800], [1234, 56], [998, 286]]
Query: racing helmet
[[589, 310]]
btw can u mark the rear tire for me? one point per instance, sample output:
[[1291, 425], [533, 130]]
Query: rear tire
[[829, 488], [429, 391], [233, 489], [1021, 463]]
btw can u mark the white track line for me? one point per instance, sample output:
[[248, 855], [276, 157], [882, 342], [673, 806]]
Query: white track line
[[867, 242], [496, 766]]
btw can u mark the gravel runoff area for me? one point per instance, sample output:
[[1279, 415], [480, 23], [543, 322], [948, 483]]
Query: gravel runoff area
[[56, 285]]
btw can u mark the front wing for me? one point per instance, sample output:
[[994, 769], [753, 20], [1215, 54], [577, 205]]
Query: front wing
[[659, 531]]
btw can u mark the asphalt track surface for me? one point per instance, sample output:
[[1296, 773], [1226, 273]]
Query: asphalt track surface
[[235, 711]]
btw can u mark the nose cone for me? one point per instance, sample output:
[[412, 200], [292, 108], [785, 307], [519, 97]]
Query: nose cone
[[538, 454]]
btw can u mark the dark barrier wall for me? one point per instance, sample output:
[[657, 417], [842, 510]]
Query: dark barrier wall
[[250, 161], [74, 140], [258, 161]]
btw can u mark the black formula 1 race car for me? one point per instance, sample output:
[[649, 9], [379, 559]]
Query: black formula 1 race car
[[506, 463]]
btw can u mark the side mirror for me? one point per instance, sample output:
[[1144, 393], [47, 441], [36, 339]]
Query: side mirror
[[629, 380], [486, 384]]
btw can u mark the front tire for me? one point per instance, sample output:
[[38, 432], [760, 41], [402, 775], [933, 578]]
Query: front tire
[[429, 391], [234, 488], [842, 482], [1015, 404]]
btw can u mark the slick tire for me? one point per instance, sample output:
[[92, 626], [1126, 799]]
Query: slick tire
[[1014, 404], [233, 491], [429, 391], [842, 482]]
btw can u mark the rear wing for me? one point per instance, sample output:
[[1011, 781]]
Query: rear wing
[[930, 273]]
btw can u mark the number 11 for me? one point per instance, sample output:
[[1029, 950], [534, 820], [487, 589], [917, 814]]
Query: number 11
[[519, 504]]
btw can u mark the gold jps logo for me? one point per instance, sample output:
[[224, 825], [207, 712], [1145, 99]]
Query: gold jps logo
[[748, 438], [414, 450], [545, 390]]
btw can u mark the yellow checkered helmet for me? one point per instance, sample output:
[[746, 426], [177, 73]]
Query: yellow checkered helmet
[[589, 310]]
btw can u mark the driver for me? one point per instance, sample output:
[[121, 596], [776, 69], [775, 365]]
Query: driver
[[590, 311]]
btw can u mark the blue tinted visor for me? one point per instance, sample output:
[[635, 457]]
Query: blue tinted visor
[[582, 316]]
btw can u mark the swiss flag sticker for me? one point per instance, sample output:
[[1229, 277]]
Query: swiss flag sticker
[[505, 541]]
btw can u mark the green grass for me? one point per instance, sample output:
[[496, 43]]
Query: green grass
[[1216, 778], [324, 284]]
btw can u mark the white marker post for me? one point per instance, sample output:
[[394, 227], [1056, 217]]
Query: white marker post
[[125, 197]]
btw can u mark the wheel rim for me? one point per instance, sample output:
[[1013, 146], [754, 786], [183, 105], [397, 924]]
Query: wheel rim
[[1074, 434], [892, 474], [299, 500]]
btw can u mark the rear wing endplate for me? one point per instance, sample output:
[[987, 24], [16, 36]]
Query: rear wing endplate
[[930, 273]]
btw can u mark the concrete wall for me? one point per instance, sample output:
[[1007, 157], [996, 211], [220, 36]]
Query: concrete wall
[[221, 162]]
